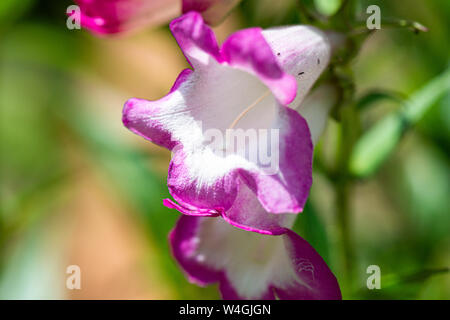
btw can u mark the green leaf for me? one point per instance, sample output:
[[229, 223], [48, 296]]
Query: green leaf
[[375, 145], [423, 99], [374, 96], [407, 286]]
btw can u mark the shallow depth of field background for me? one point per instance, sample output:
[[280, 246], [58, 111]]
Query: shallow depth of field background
[[78, 188]]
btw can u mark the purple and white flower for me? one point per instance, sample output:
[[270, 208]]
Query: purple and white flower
[[249, 265], [255, 80]]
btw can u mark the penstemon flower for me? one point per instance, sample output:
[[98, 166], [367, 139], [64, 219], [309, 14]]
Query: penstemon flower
[[252, 83], [249, 265], [249, 84]]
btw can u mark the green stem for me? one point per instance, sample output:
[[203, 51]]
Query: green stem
[[343, 189], [3, 239], [308, 16]]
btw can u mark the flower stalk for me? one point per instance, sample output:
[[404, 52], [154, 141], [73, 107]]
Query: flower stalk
[[343, 186]]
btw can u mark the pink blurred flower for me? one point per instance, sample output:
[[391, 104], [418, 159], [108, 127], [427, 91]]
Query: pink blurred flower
[[114, 16]]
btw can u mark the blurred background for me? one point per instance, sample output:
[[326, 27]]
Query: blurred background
[[77, 188]]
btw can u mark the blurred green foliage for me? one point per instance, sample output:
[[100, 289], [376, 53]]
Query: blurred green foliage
[[378, 142]]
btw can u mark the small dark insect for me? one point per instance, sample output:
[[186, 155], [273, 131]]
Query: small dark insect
[[278, 54], [300, 73], [318, 61]]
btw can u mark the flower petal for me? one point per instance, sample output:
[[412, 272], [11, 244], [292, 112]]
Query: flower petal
[[197, 183], [303, 52], [149, 118], [315, 109], [196, 212], [196, 39], [249, 265], [184, 242], [317, 279], [248, 214], [288, 190], [248, 50]]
